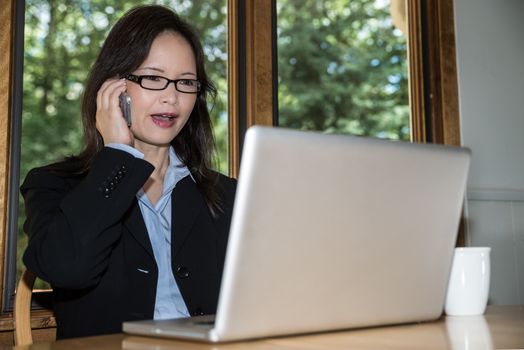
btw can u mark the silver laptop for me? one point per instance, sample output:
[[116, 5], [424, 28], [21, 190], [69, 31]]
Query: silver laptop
[[332, 232]]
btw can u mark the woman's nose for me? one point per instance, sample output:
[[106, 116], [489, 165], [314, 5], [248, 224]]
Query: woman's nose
[[170, 94]]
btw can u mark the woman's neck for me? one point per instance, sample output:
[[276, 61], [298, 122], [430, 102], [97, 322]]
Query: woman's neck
[[159, 158]]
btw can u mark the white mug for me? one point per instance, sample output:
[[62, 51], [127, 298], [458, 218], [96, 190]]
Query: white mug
[[468, 286]]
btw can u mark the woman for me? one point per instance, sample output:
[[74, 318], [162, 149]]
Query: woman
[[136, 225]]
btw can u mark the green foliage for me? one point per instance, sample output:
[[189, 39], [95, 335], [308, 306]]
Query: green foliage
[[342, 68], [62, 40]]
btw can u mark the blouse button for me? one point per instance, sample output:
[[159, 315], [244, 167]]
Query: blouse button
[[182, 272]]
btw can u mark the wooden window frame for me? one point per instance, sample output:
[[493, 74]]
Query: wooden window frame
[[432, 71], [433, 88], [251, 74], [7, 30]]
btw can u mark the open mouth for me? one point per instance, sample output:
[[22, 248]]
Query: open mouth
[[164, 120], [165, 117]]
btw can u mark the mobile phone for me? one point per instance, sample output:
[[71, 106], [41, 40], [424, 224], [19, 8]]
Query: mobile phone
[[125, 106]]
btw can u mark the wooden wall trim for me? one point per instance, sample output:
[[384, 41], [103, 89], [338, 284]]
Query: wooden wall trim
[[442, 82], [7, 16], [39, 319], [233, 88], [254, 76], [259, 63], [416, 71], [436, 50]]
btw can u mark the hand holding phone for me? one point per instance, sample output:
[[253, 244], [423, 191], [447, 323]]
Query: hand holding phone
[[125, 106]]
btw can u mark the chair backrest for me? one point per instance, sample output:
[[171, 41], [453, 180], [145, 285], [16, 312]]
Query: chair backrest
[[22, 309]]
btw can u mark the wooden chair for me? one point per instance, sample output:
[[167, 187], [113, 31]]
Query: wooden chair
[[22, 308], [43, 318]]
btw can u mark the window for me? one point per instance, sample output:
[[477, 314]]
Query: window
[[342, 67], [433, 91]]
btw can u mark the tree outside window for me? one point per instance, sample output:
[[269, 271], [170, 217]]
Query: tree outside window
[[342, 68]]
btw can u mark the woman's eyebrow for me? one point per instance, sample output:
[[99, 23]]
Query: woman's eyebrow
[[160, 70]]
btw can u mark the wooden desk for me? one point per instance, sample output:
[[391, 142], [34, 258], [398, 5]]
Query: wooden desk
[[502, 327]]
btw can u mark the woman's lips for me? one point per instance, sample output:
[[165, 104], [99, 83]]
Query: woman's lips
[[164, 120]]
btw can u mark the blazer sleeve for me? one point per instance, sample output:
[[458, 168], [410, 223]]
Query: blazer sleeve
[[73, 224]]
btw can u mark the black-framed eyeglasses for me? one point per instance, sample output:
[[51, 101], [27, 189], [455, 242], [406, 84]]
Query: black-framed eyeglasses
[[157, 82]]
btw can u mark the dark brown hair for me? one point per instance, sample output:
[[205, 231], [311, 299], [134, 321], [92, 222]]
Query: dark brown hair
[[124, 50]]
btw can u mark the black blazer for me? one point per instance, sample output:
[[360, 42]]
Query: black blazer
[[88, 239]]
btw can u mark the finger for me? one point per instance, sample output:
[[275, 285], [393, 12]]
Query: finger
[[104, 93], [101, 91], [114, 92], [109, 119]]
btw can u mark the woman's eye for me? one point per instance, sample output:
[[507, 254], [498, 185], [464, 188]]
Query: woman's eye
[[187, 82], [151, 77]]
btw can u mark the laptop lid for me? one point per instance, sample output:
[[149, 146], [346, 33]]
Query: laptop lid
[[334, 232]]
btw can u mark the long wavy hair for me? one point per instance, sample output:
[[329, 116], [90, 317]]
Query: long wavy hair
[[124, 50]]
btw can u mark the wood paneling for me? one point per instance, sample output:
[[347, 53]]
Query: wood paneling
[[435, 112], [416, 71], [233, 88], [259, 59], [257, 48], [442, 82], [39, 335], [6, 64], [6, 51]]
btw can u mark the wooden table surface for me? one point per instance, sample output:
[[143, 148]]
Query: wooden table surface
[[502, 327]]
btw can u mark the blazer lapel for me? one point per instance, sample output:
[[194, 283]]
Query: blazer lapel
[[187, 202], [136, 225]]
